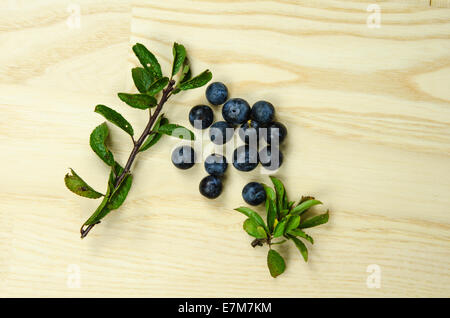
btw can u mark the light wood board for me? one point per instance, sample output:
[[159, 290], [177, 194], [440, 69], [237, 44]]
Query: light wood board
[[368, 114]]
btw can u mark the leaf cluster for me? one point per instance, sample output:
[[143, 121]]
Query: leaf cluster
[[285, 222]]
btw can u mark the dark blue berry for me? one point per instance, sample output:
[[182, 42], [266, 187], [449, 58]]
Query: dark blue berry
[[236, 111], [183, 157], [216, 93], [221, 132], [276, 133], [249, 132], [271, 157], [254, 193], [216, 165], [210, 187], [263, 112], [245, 158], [201, 114]]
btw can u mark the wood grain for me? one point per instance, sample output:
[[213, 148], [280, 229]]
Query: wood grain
[[369, 133]]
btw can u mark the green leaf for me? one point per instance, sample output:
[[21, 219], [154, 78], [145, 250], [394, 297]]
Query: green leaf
[[101, 210], [142, 79], [300, 233], [314, 221], [253, 229], [279, 229], [303, 207], [148, 60], [78, 186], [120, 194], [290, 204], [197, 81], [271, 206], [114, 117], [280, 192], [158, 85], [253, 215], [276, 263], [97, 142], [301, 247], [292, 223], [117, 169], [176, 131], [186, 73], [283, 213], [140, 101], [179, 54]]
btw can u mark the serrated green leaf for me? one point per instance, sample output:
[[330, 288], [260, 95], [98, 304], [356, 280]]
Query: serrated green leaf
[[154, 137], [175, 130], [148, 60], [314, 221], [142, 79], [292, 223], [115, 118], [301, 247], [253, 215], [276, 263], [97, 141], [271, 206], [158, 85], [280, 193], [303, 207], [253, 229], [279, 228], [78, 186], [140, 101], [197, 81], [179, 54], [120, 194], [300, 233]]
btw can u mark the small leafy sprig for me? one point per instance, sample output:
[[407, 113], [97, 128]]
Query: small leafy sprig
[[284, 222], [151, 84]]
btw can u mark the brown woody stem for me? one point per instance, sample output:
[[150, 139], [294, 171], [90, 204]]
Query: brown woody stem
[[137, 145]]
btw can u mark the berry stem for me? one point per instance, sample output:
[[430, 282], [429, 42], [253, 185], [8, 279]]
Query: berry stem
[[137, 144]]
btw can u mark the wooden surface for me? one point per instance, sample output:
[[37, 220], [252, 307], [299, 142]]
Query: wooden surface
[[368, 114]]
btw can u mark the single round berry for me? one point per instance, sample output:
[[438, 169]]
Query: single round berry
[[216, 165], [183, 157], [271, 157], [263, 112], [216, 93], [249, 132], [221, 132], [254, 193], [275, 134], [201, 116], [245, 158], [236, 111], [211, 187]]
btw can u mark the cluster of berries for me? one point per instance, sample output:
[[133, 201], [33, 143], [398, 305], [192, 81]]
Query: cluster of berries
[[254, 122]]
